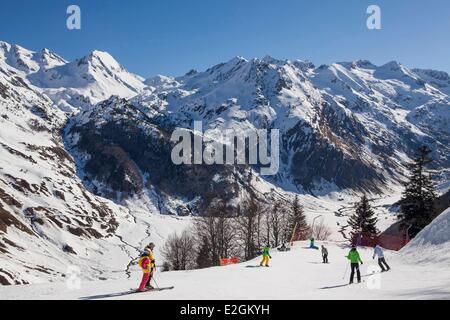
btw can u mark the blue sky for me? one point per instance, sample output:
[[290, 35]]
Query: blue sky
[[172, 36]]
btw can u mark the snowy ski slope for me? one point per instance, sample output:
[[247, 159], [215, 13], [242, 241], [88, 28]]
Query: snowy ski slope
[[298, 274]]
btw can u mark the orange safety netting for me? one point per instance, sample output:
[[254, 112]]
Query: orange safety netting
[[390, 242], [227, 261]]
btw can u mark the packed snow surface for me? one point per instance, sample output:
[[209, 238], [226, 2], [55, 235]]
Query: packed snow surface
[[296, 274], [432, 244]]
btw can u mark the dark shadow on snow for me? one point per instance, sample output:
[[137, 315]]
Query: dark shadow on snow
[[109, 295], [336, 286], [347, 284], [120, 294], [258, 266]]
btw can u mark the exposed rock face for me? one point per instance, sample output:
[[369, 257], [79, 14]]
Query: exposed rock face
[[129, 153]]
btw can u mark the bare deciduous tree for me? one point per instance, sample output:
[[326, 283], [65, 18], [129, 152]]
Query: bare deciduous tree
[[248, 226], [178, 251], [320, 231], [276, 228], [214, 234]]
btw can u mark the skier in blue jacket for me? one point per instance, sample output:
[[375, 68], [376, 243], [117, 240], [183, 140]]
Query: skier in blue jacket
[[377, 251]]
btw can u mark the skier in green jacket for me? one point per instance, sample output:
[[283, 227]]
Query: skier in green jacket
[[266, 256], [355, 259]]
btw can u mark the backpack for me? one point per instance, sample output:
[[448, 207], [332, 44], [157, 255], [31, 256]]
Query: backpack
[[142, 258]]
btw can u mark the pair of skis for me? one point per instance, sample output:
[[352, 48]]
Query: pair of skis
[[257, 266], [150, 290], [124, 293]]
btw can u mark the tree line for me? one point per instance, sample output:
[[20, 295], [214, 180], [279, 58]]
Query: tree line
[[223, 231]]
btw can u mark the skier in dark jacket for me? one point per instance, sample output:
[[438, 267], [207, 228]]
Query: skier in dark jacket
[[324, 254], [355, 259], [312, 245], [381, 261]]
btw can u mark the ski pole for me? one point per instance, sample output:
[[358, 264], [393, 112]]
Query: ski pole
[[345, 273], [155, 282]]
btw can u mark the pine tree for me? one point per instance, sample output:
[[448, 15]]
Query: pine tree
[[363, 220], [297, 223], [417, 204], [203, 254]]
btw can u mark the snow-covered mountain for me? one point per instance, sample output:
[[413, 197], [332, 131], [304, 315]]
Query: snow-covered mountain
[[73, 85], [345, 125], [85, 147], [438, 79], [28, 61], [49, 221], [87, 81]]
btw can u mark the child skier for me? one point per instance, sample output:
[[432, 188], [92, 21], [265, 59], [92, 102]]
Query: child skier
[[324, 254], [355, 259], [149, 249], [381, 261], [147, 264], [144, 263], [266, 256]]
